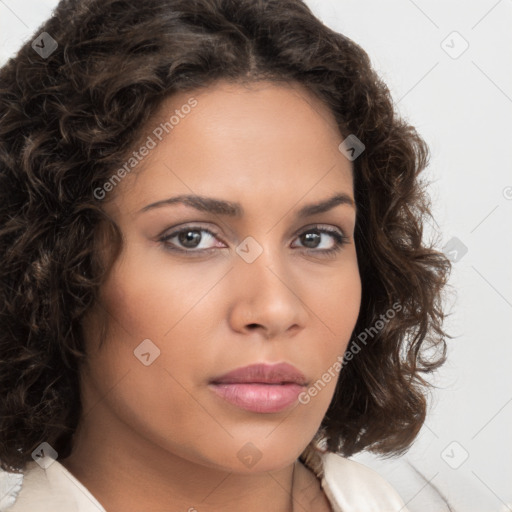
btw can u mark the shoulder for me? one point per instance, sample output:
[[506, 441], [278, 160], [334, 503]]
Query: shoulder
[[53, 489], [352, 486], [30, 487], [35, 492], [10, 486]]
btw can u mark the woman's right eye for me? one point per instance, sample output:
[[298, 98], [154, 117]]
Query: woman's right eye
[[189, 239]]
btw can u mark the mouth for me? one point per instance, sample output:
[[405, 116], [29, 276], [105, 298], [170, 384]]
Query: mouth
[[260, 388]]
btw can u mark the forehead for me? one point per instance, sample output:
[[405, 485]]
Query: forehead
[[260, 139]]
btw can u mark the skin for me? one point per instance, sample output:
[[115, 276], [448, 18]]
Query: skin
[[156, 437]]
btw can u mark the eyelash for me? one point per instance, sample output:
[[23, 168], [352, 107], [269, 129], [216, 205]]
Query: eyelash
[[339, 238]]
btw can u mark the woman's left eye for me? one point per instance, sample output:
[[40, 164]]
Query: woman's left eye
[[313, 239], [324, 240]]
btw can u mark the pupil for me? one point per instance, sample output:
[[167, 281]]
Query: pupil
[[189, 238]]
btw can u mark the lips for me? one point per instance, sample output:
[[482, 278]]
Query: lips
[[260, 388], [282, 373]]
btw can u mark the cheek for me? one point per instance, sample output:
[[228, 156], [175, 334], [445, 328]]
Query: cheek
[[155, 316], [152, 295], [340, 300], [156, 399], [141, 300]]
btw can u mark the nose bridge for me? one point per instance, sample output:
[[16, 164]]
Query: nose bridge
[[260, 260]]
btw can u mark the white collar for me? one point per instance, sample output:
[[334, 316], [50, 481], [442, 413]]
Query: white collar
[[348, 485]]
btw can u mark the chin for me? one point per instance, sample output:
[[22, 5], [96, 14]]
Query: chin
[[257, 456]]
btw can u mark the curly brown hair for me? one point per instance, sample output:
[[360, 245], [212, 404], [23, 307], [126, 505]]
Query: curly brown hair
[[68, 119]]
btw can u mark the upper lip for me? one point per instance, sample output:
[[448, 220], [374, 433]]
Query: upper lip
[[282, 373]]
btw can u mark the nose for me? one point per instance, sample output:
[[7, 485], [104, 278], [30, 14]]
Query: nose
[[266, 297]]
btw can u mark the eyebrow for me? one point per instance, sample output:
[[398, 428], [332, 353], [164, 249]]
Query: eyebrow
[[233, 209]]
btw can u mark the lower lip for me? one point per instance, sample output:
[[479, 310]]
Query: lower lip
[[262, 398]]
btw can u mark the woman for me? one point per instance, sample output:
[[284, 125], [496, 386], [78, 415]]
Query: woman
[[214, 283]]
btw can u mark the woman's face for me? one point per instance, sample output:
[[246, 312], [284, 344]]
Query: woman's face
[[260, 280]]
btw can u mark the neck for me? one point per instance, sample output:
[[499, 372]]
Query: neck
[[126, 473]]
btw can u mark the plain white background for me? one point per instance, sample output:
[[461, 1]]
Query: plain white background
[[448, 65]]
